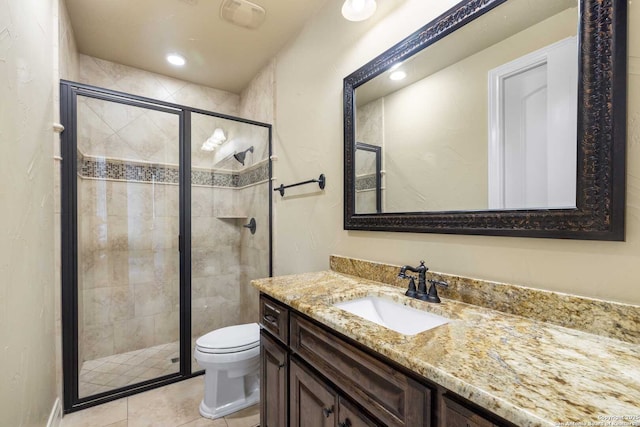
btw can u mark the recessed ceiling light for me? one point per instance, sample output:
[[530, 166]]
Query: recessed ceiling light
[[358, 10], [397, 75], [175, 59], [395, 66]]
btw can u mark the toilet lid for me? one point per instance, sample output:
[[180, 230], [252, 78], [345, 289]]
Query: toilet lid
[[230, 339]]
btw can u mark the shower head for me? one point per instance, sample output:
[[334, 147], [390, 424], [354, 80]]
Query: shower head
[[241, 155]]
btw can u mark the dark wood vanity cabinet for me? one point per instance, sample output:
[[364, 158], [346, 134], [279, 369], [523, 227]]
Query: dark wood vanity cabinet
[[274, 382], [311, 377]]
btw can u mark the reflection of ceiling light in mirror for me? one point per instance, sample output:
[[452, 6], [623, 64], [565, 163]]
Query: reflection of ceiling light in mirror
[[397, 75], [175, 59], [358, 10], [215, 140]]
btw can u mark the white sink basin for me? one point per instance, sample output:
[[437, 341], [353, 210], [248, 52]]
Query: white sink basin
[[392, 315]]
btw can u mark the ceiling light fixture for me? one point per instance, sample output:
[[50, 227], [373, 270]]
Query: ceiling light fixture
[[175, 59], [397, 75], [243, 13], [358, 10]]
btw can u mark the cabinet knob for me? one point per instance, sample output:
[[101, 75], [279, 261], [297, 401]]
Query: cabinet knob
[[327, 411], [345, 423], [282, 365]]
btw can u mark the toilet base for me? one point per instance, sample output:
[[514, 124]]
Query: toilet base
[[229, 408]]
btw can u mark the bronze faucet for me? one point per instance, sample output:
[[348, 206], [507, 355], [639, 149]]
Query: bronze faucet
[[421, 293]]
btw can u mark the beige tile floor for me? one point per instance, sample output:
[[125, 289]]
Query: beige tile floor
[[169, 406]]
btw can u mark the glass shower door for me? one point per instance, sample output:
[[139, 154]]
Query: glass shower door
[[230, 186], [128, 260]]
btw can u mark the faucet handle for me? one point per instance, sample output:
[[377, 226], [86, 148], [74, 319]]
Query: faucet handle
[[411, 291], [432, 295], [439, 283]]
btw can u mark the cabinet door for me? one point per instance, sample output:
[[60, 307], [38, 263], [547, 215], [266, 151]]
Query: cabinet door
[[350, 416], [273, 383], [312, 403]]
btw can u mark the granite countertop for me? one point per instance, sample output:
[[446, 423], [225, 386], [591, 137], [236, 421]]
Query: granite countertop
[[528, 372]]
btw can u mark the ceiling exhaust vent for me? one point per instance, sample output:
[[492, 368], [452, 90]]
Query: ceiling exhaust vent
[[242, 13]]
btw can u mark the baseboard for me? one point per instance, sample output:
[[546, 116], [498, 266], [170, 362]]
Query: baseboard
[[55, 418]]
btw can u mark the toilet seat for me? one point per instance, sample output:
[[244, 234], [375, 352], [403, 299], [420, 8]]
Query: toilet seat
[[232, 339]]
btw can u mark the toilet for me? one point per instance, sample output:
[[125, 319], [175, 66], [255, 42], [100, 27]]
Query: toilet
[[231, 359]]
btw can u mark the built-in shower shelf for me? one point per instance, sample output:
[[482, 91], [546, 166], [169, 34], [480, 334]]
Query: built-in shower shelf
[[235, 216]]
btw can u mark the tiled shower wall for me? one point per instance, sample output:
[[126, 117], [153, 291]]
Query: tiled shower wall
[[129, 294], [128, 274], [129, 262], [256, 103], [254, 249]]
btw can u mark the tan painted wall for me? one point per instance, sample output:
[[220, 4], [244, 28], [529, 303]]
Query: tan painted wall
[[308, 136], [28, 40]]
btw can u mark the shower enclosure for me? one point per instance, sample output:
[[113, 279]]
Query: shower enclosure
[[166, 219]]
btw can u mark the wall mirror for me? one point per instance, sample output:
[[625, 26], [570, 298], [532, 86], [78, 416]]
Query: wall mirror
[[500, 117]]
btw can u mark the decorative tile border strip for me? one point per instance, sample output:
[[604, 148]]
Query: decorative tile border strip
[[365, 182], [102, 168], [213, 179], [605, 318], [253, 175], [126, 170]]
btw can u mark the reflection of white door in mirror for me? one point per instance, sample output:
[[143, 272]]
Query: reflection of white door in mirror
[[533, 130]]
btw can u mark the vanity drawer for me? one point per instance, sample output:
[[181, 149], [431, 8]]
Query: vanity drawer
[[388, 394], [274, 317], [456, 415]]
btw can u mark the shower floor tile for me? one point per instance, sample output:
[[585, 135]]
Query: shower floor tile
[[108, 373]]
